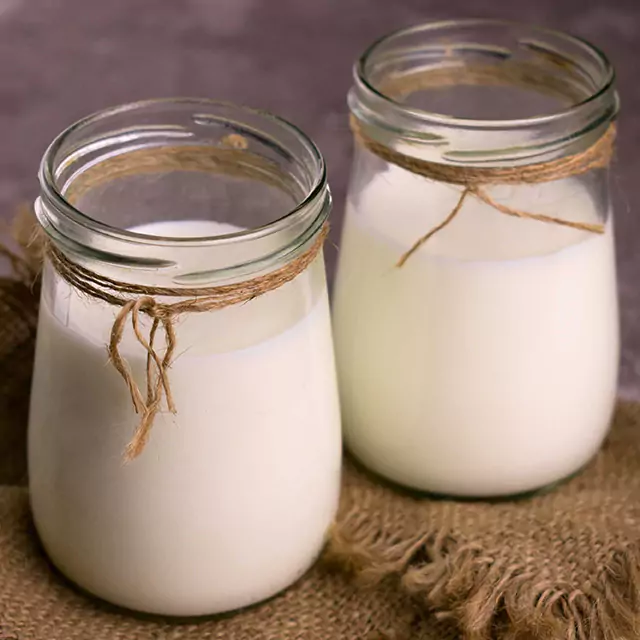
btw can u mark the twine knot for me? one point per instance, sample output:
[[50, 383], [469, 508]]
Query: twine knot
[[475, 179]]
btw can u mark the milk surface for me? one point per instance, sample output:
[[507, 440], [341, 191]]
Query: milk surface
[[487, 364], [231, 499]]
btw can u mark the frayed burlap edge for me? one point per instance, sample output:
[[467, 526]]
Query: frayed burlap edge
[[485, 596], [490, 600]]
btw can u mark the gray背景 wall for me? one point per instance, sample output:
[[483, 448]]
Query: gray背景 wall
[[62, 59]]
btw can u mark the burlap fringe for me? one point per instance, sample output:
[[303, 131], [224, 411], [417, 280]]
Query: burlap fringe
[[489, 599]]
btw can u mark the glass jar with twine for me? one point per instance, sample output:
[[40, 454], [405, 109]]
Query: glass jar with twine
[[476, 318], [184, 322]]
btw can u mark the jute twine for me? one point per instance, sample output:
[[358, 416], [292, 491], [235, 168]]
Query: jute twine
[[474, 180], [134, 300]]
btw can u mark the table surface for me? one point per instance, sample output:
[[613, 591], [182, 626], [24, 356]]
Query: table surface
[[62, 59]]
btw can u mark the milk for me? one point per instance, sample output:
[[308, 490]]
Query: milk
[[487, 364], [230, 501]]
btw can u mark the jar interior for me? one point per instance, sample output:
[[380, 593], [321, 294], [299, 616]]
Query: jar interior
[[138, 202], [522, 72], [485, 103], [169, 162]]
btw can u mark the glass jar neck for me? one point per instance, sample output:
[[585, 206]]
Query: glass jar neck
[[486, 93], [252, 186]]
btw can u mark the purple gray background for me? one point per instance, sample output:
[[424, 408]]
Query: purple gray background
[[62, 59]]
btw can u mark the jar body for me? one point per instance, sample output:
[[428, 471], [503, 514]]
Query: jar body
[[463, 374], [232, 497]]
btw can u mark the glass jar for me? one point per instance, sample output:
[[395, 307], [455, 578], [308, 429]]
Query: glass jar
[[477, 349], [230, 499]]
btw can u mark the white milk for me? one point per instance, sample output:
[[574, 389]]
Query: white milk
[[230, 501], [487, 364]]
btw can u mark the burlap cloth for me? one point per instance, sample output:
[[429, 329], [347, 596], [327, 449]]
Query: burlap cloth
[[37, 604], [564, 564], [561, 564]]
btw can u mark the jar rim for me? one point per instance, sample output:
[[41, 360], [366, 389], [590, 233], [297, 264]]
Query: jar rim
[[362, 80], [314, 195]]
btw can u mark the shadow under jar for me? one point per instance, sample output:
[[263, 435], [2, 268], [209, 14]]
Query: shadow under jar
[[228, 500], [476, 312]]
